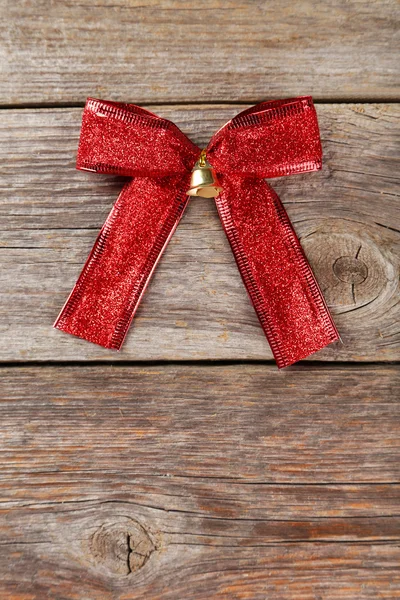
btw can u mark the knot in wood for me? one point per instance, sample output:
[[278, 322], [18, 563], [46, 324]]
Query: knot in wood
[[350, 269], [121, 547]]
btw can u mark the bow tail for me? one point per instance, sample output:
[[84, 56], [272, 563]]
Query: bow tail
[[275, 271], [103, 302]]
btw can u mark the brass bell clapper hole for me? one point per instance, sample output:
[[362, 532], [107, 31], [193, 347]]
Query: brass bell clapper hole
[[204, 181]]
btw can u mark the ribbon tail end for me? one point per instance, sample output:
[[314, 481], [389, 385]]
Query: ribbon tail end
[[109, 346], [282, 364]]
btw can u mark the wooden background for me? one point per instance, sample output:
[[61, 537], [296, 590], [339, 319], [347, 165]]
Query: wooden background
[[187, 466]]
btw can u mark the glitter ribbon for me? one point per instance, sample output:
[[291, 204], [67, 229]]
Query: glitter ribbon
[[270, 139]]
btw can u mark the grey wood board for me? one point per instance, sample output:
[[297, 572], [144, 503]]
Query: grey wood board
[[123, 482], [210, 51], [113, 550], [196, 306], [305, 424]]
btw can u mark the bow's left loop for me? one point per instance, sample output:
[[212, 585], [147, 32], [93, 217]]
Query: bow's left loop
[[127, 140]]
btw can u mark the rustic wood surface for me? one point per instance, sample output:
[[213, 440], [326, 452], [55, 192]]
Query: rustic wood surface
[[208, 490], [187, 467], [167, 51], [196, 306]]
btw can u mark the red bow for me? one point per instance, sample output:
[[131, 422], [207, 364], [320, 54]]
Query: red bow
[[267, 140]]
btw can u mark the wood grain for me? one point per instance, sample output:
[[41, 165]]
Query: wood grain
[[196, 306], [203, 482], [172, 51], [200, 480], [306, 424], [101, 551]]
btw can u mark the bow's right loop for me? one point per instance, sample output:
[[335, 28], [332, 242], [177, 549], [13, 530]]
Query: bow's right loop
[[269, 140]]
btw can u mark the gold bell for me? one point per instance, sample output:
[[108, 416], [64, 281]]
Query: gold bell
[[203, 181]]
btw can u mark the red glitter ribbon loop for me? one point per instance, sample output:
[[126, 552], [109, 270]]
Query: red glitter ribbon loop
[[268, 140]]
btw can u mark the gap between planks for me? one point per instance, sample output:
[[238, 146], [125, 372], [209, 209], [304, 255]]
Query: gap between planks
[[193, 103], [196, 362]]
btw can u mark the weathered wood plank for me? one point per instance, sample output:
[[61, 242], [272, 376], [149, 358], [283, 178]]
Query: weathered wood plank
[[306, 424], [180, 51], [199, 482], [196, 306], [58, 568], [104, 550]]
